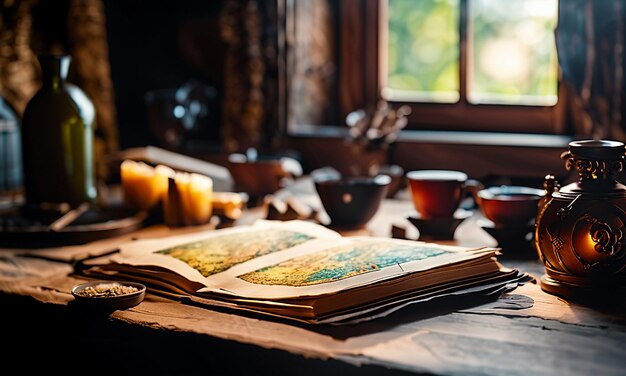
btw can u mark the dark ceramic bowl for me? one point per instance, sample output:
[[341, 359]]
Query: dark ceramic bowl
[[510, 206], [351, 201]]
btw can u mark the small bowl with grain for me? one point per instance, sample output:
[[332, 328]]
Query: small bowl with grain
[[109, 295]]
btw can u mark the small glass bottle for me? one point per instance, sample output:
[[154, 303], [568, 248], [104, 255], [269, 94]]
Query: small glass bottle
[[10, 150], [57, 139]]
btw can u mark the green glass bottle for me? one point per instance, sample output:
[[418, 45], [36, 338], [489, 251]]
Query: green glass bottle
[[57, 139]]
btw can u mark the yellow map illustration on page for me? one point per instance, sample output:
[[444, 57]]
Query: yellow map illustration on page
[[338, 263], [217, 254]]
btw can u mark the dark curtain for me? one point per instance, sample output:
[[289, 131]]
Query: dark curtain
[[590, 43], [249, 29], [18, 63]]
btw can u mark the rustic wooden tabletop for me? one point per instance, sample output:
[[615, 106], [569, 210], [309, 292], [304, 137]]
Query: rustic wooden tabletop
[[525, 332]]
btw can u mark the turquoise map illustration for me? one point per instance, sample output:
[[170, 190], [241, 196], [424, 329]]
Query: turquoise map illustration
[[217, 254], [338, 263]]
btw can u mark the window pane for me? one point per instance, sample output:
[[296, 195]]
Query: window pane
[[422, 59], [512, 52]]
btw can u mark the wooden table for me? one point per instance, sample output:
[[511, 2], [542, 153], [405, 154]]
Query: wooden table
[[525, 332]]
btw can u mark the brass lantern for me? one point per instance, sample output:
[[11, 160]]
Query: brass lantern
[[580, 227]]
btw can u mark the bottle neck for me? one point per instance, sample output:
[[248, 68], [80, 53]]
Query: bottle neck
[[54, 70]]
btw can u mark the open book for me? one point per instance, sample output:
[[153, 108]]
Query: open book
[[303, 271]]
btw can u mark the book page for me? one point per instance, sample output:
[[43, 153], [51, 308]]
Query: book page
[[198, 257]]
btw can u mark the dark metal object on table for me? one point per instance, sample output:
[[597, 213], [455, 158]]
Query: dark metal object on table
[[580, 227], [69, 217], [59, 225]]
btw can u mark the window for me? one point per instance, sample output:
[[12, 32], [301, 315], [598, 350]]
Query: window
[[511, 52], [471, 64], [420, 51], [487, 65]]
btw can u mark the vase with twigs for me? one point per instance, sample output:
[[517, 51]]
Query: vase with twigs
[[371, 131]]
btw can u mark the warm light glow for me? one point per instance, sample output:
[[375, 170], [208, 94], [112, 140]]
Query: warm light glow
[[189, 199], [590, 242], [512, 52], [143, 185], [541, 8], [420, 58], [505, 59]]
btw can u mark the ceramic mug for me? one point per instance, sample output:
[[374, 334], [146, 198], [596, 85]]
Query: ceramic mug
[[438, 193]]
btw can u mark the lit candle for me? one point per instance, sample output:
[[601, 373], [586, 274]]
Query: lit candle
[[200, 192], [188, 200], [143, 185]]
